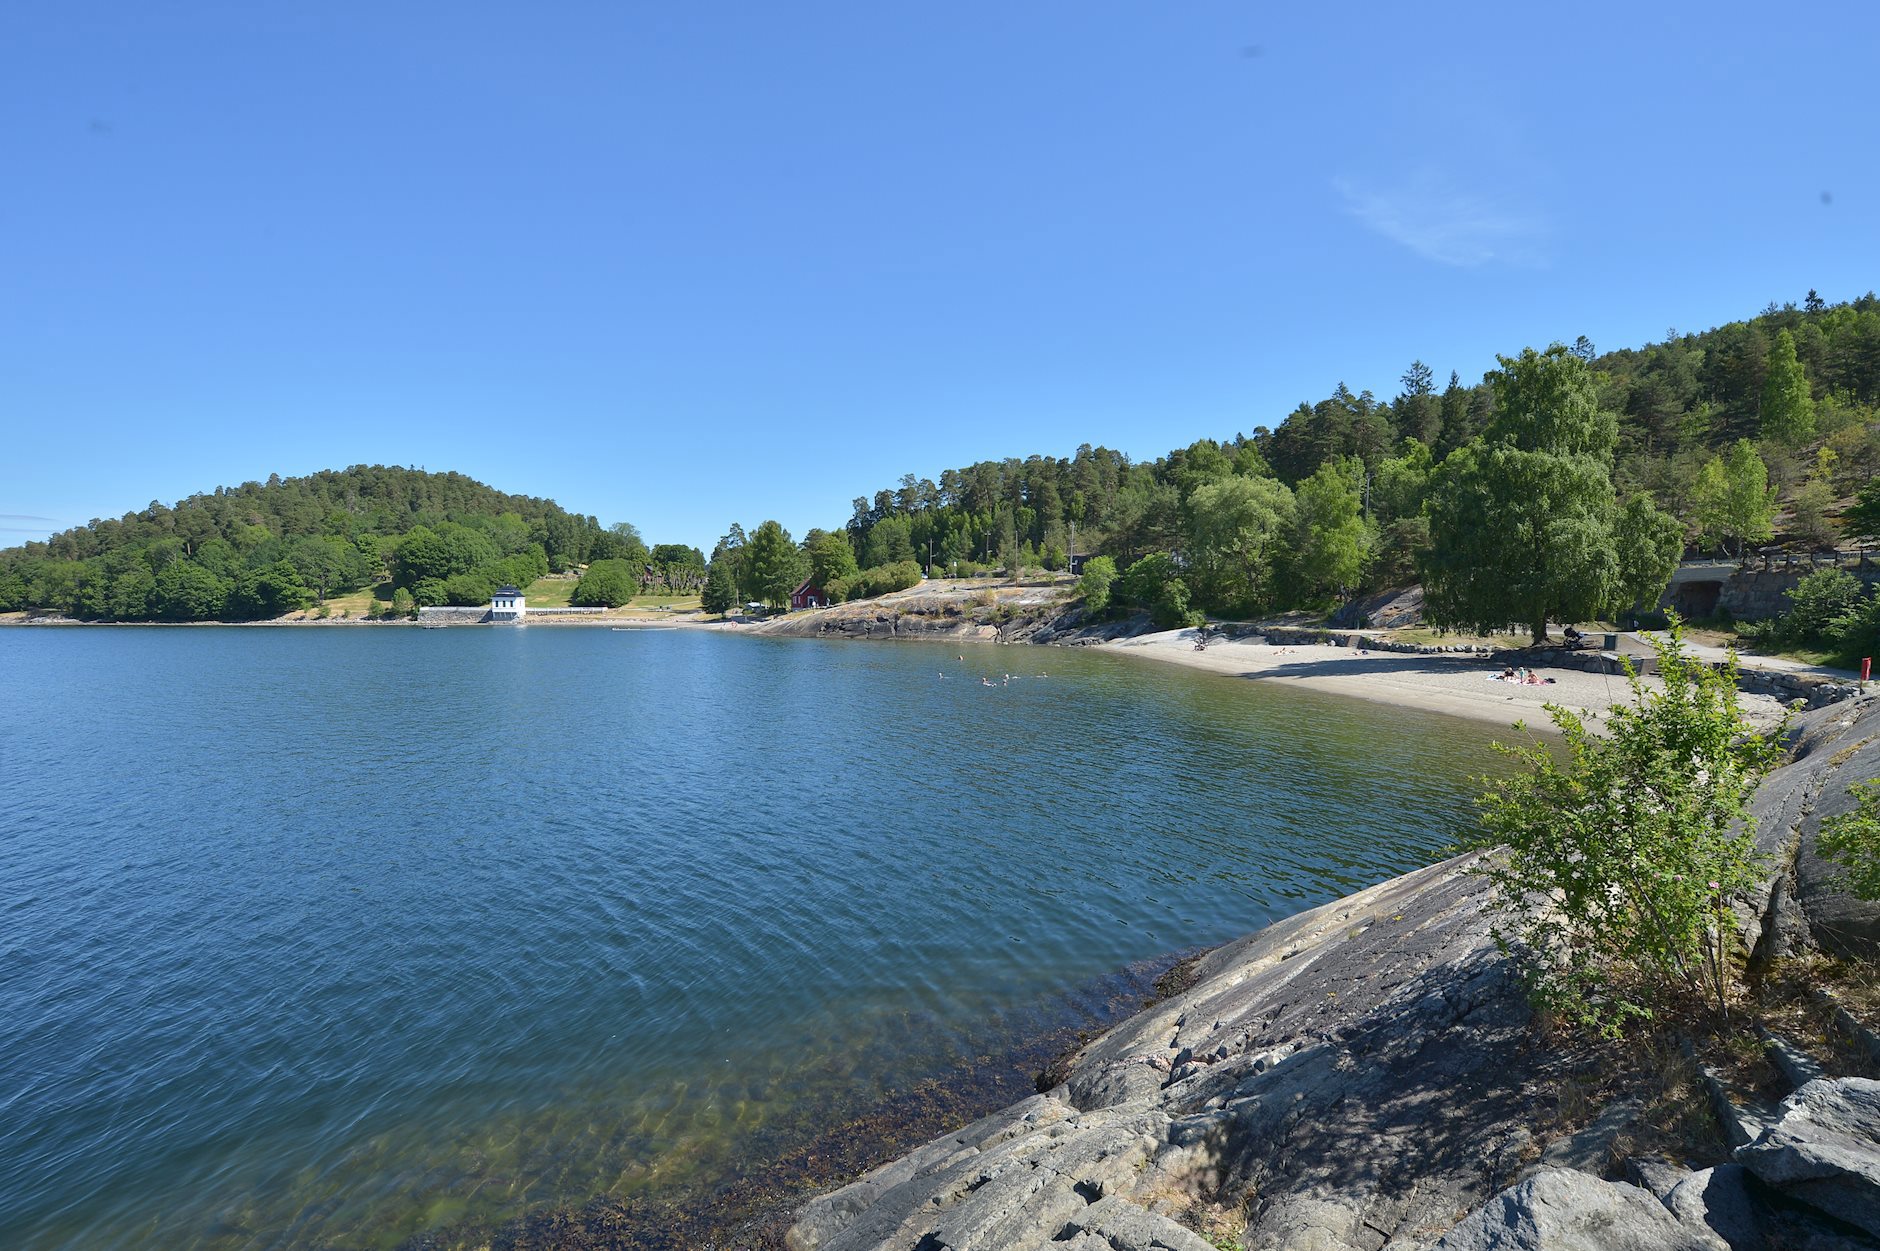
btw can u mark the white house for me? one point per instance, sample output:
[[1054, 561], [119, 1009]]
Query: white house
[[507, 604]]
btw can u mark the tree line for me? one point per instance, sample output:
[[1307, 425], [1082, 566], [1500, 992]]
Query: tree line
[[266, 548], [1564, 483]]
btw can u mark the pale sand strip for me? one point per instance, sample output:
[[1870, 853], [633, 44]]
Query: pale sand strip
[[1443, 683]]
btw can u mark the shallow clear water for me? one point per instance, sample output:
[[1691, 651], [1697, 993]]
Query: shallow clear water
[[334, 936]]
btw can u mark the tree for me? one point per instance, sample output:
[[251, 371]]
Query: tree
[[1007, 554], [830, 556], [1331, 543], [1094, 585], [1648, 543], [1615, 863], [1521, 518], [132, 593], [772, 565], [620, 541], [1788, 411], [721, 588], [1734, 500], [327, 563], [1234, 526], [1862, 519], [1419, 412], [1155, 583], [269, 591], [606, 584], [188, 592], [730, 550]]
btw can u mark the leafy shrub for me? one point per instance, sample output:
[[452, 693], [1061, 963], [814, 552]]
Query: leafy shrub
[[1094, 585], [606, 584], [1156, 584], [467, 590], [1856, 632], [1817, 601], [1852, 840], [1614, 863]]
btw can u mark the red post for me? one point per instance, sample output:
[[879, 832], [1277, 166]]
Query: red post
[[1866, 667]]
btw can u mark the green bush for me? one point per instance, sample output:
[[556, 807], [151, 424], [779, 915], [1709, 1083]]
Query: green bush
[[467, 590], [1852, 840], [1856, 632], [1615, 862], [1817, 601], [1155, 583], [1099, 573], [606, 584], [880, 580]]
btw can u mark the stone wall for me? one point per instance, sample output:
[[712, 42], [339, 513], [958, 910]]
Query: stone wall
[[1753, 591], [453, 616], [1292, 635]]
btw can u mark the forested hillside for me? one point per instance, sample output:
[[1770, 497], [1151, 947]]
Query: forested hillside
[[262, 549], [1711, 440]]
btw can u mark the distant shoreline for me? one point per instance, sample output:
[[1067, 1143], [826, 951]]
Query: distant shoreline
[[1456, 685]]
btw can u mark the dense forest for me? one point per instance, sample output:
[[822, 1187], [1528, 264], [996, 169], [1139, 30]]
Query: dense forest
[[1562, 485], [1592, 471], [263, 549]]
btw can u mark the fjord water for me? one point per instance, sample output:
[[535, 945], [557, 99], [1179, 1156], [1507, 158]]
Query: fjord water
[[317, 937]]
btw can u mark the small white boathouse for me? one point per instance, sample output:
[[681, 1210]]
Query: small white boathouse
[[507, 604]]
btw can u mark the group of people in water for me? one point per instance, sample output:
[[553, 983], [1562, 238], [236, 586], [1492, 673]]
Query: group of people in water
[[1005, 679]]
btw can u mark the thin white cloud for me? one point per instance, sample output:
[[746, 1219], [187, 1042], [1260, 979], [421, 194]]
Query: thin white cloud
[[1444, 223]]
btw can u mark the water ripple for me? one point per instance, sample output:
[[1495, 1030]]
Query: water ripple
[[332, 937]]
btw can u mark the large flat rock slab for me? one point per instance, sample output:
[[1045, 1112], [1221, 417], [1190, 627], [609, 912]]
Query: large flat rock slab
[[1824, 1150], [1564, 1210], [1361, 1067]]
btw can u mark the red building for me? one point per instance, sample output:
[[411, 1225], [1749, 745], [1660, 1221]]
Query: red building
[[809, 595]]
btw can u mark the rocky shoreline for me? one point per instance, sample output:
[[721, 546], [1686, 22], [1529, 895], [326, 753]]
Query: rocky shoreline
[[1367, 1075]]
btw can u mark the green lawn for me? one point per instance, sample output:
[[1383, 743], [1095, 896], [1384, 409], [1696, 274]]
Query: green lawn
[[674, 603], [548, 592], [355, 603]]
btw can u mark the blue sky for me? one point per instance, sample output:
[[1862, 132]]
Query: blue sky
[[684, 264]]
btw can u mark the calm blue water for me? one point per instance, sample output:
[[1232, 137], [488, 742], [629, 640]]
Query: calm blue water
[[335, 936]]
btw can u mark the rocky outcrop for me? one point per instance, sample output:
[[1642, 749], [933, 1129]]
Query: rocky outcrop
[[1825, 1150], [1382, 610], [1804, 905], [1363, 1077], [1561, 1209], [1322, 1064]]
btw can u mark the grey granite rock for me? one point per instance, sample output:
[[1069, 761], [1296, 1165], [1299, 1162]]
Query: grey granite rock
[[1720, 1200], [1655, 1173], [1359, 1077], [1838, 921], [1565, 1210], [1361, 1067], [1824, 1150]]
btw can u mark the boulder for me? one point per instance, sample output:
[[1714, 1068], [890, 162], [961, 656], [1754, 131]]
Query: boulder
[[1824, 1150], [1561, 1209], [1719, 1199]]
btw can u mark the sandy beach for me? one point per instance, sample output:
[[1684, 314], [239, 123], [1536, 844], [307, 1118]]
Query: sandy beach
[[1446, 683]]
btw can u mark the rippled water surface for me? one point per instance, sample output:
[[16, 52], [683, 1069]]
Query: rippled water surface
[[319, 937]]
